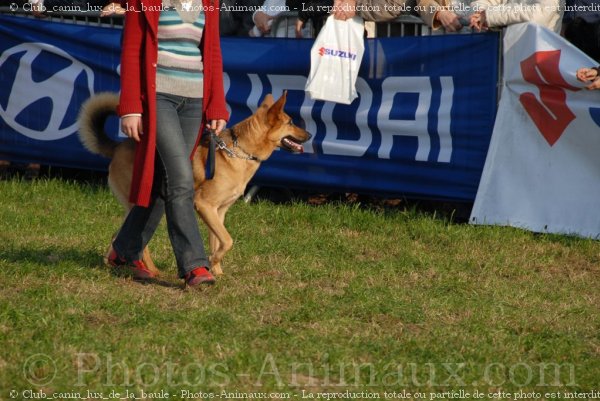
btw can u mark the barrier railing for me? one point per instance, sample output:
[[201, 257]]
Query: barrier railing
[[405, 25], [285, 21], [75, 17]]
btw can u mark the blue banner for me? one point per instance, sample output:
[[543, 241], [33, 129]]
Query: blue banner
[[420, 127], [47, 69]]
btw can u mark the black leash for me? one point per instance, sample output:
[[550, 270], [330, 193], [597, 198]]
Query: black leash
[[209, 170]]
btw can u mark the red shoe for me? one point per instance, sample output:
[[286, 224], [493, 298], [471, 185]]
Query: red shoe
[[200, 275], [115, 260], [137, 268]]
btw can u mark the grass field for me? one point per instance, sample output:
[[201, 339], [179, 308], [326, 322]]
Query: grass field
[[317, 301]]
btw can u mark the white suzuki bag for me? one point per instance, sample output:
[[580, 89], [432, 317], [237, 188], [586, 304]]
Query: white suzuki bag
[[335, 59]]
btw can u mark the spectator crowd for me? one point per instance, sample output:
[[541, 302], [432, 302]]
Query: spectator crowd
[[577, 20]]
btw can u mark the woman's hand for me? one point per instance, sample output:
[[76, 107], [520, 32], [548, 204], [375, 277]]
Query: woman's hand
[[594, 85], [298, 28], [479, 21], [586, 74], [216, 125], [262, 21], [344, 9], [112, 8], [132, 127], [449, 20]]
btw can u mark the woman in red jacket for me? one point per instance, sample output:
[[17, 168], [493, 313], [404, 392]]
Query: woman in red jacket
[[171, 87]]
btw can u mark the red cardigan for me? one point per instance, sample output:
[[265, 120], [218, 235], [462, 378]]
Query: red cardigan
[[138, 82]]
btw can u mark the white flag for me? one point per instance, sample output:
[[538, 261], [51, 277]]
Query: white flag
[[542, 171]]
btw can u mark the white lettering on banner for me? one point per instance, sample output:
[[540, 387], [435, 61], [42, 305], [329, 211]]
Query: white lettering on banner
[[349, 147], [226, 85], [59, 88], [296, 82], [255, 92], [444, 119], [417, 127], [331, 144]]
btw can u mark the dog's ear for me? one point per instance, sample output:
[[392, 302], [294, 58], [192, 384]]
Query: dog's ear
[[276, 110], [267, 101]]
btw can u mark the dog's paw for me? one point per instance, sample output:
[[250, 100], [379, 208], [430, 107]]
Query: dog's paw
[[216, 269]]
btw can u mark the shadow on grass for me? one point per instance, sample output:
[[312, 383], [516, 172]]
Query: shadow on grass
[[32, 171], [50, 257], [454, 212], [450, 211], [158, 281]]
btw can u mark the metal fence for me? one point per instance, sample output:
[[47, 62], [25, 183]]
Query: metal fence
[[74, 17], [406, 25]]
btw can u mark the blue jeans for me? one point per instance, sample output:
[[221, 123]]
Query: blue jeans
[[178, 122]]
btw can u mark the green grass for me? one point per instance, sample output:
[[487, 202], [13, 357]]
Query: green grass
[[316, 298]]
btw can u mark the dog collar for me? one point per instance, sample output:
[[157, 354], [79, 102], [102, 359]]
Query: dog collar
[[221, 145]]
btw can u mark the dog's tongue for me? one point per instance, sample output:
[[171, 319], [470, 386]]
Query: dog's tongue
[[297, 147]]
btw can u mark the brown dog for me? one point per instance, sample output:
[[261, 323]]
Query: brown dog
[[248, 143]]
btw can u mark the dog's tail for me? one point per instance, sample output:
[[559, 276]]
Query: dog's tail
[[91, 120]]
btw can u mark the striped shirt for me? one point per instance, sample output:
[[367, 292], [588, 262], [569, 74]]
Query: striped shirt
[[179, 64]]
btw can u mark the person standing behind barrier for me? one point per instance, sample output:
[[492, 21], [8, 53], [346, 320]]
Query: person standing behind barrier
[[500, 13], [263, 18], [271, 9], [372, 10], [39, 7], [236, 16], [266, 15], [315, 11], [581, 26], [171, 85], [449, 15]]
